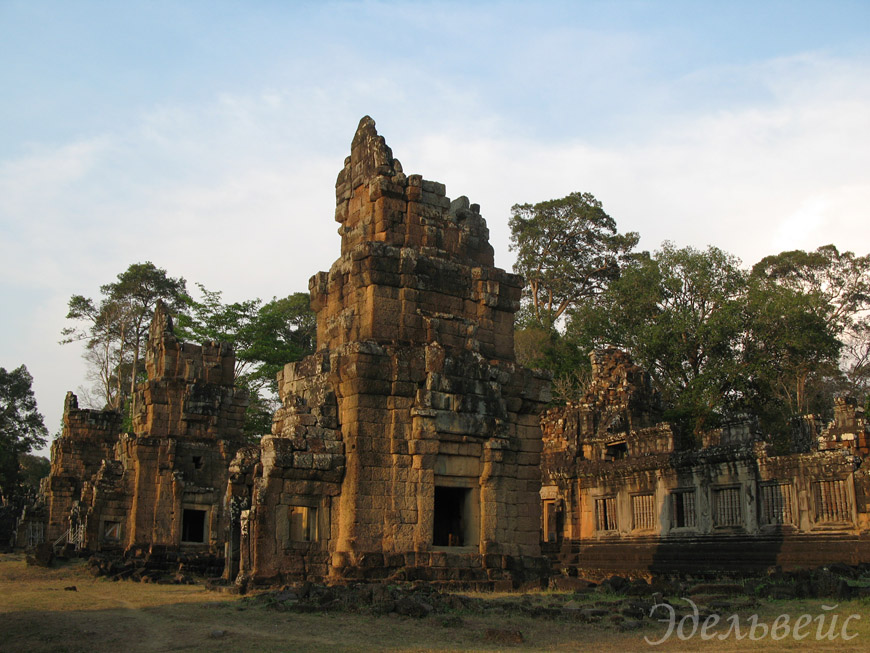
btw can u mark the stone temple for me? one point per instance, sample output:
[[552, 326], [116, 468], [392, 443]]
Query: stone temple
[[162, 486], [623, 495], [408, 446], [412, 446]]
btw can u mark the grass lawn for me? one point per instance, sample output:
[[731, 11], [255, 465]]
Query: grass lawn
[[38, 614]]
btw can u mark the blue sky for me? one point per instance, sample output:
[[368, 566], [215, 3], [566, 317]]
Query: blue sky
[[206, 136]]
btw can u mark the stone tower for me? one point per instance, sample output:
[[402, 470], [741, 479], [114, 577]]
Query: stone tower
[[408, 445], [162, 485]]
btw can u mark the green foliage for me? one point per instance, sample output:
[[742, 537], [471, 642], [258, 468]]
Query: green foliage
[[717, 342], [263, 402], [547, 349], [264, 336], [21, 426], [678, 313], [837, 284], [567, 250], [285, 331], [211, 320], [33, 469], [790, 351]]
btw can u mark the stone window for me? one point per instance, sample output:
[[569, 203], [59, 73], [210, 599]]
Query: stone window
[[197, 462], [193, 526], [452, 519], [643, 512], [616, 451], [112, 531], [726, 507], [777, 505], [605, 514], [683, 509], [832, 502], [303, 524], [35, 533]]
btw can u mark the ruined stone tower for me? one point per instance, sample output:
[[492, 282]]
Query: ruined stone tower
[[161, 486], [409, 444]]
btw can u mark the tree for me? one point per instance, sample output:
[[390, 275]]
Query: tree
[[137, 292], [568, 250], [116, 328], [21, 426], [211, 320], [791, 353], [838, 284], [679, 314], [33, 469], [264, 336], [716, 341]]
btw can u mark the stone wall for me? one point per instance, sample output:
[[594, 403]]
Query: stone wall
[[87, 439], [619, 496]]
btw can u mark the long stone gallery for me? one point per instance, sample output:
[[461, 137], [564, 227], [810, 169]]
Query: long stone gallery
[[413, 446]]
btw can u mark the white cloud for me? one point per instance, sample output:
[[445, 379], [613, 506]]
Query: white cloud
[[238, 193], [803, 224]]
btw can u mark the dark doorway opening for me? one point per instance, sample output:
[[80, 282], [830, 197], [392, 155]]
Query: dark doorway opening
[[451, 518], [554, 520], [193, 526]]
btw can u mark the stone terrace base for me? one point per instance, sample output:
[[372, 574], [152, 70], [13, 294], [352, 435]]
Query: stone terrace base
[[156, 564], [723, 554], [490, 571]]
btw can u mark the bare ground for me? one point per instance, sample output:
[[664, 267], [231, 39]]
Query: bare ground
[[38, 614]]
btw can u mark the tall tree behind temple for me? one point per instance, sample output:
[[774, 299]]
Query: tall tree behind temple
[[838, 285], [115, 327], [568, 251]]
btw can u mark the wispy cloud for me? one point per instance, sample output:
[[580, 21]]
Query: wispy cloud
[[790, 171], [234, 188]]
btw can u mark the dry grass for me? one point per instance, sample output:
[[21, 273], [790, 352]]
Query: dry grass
[[37, 614]]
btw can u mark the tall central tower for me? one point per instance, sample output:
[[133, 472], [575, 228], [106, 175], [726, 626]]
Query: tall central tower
[[409, 444]]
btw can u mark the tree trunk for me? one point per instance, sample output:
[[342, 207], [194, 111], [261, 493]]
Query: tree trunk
[[135, 369], [119, 397]]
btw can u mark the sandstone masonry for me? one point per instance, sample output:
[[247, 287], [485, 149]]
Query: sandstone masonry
[[411, 445], [408, 445], [161, 486], [622, 494]]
